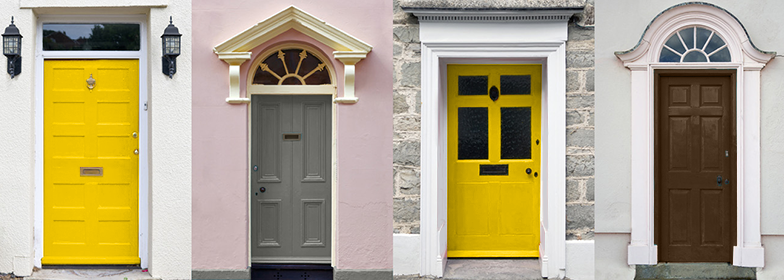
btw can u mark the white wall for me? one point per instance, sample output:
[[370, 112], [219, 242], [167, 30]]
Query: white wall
[[620, 31]]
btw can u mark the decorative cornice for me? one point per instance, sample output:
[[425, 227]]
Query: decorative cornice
[[237, 49], [494, 17], [451, 15]]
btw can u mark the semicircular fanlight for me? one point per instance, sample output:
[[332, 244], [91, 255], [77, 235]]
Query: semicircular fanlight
[[695, 44], [292, 67]]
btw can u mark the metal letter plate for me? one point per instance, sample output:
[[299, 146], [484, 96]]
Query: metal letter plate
[[291, 136], [494, 169], [91, 171]]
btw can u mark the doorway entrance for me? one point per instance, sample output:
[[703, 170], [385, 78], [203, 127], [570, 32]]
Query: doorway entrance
[[494, 129], [695, 161], [91, 164], [291, 182]]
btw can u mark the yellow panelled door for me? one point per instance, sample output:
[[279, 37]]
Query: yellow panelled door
[[494, 118], [91, 164]]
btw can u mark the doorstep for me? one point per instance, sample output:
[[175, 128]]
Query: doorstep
[[91, 273]]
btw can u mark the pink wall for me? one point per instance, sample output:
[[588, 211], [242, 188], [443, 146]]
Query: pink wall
[[220, 134]]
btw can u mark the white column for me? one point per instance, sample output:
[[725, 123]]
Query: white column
[[642, 250]]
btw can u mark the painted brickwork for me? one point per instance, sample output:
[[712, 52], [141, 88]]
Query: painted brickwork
[[579, 118]]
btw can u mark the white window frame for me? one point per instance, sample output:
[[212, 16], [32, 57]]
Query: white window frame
[[141, 55], [498, 37], [747, 61]]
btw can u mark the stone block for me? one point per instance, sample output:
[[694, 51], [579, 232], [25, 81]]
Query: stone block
[[407, 122], [579, 165], [572, 81], [579, 102], [397, 51], [579, 59], [589, 189], [574, 118], [579, 33], [399, 103], [406, 33], [579, 216], [408, 181], [406, 210], [580, 137], [406, 153], [572, 190], [411, 72], [589, 80], [418, 102]]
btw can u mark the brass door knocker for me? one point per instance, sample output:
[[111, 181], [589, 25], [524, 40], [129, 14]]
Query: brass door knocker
[[90, 82]]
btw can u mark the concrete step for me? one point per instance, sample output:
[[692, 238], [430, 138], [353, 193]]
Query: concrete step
[[101, 274], [694, 271]]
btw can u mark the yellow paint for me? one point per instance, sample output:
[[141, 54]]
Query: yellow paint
[[493, 216], [91, 219]]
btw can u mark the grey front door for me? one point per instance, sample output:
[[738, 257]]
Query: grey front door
[[291, 179]]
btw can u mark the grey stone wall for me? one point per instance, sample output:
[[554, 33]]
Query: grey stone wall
[[579, 123]]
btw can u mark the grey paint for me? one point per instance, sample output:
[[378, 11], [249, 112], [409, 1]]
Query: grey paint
[[621, 31], [290, 218], [221, 274], [363, 274]]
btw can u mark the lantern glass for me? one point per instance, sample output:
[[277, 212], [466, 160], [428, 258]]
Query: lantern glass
[[171, 45], [11, 45]]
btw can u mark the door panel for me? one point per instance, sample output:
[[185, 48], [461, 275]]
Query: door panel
[[90, 169], [695, 168], [494, 130], [291, 175]]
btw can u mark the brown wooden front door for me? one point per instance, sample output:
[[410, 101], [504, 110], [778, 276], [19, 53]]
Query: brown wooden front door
[[695, 166]]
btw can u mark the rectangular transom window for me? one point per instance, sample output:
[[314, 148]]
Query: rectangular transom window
[[91, 37]]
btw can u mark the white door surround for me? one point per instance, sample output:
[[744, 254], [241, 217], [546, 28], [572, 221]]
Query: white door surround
[[144, 130], [492, 37], [748, 61]]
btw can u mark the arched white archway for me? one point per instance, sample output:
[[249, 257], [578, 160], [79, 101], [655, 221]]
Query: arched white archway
[[747, 61]]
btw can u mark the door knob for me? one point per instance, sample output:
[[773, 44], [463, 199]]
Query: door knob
[[528, 171], [718, 180], [136, 151]]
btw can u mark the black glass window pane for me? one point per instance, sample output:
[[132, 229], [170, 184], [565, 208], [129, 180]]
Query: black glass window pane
[[688, 37], [515, 84], [715, 43], [721, 56], [299, 62], [472, 85], [91, 37], [516, 133], [472, 133], [702, 37], [669, 56], [695, 56], [675, 43]]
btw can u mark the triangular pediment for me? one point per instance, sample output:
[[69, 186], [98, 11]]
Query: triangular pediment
[[292, 18]]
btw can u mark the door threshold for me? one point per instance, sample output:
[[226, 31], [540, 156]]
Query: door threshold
[[493, 268], [102, 272], [291, 271]]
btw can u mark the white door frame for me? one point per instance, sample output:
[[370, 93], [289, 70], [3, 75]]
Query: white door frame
[[747, 61], [518, 37], [141, 55]]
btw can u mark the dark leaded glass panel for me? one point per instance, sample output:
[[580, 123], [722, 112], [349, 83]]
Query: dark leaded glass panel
[[702, 37], [715, 43], [299, 63], [695, 56], [472, 133], [516, 133], [515, 84], [688, 37], [721, 56], [669, 56], [91, 37], [472, 85], [675, 43]]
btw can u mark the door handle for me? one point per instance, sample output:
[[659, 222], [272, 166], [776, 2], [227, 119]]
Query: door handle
[[528, 171], [718, 180]]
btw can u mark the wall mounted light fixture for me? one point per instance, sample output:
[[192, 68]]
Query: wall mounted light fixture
[[171, 49], [12, 48]]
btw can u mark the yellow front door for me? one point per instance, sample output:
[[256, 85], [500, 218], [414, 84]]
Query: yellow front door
[[493, 160], [91, 130]]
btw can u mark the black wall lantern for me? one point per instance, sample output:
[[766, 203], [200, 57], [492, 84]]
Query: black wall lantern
[[171, 49], [12, 48]]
